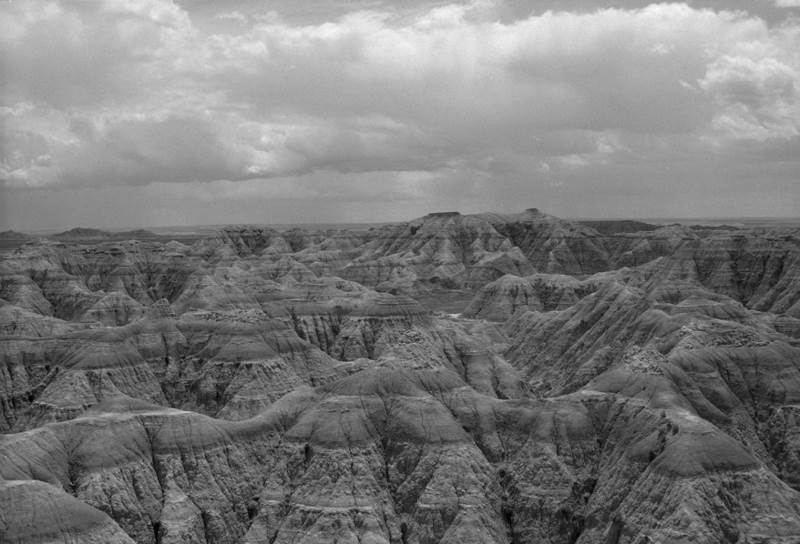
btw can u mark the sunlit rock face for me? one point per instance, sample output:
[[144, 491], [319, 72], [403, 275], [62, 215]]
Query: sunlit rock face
[[597, 383]]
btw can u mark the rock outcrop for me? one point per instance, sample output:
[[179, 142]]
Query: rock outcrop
[[502, 298], [608, 383]]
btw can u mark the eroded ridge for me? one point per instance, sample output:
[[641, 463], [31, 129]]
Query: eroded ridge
[[454, 379]]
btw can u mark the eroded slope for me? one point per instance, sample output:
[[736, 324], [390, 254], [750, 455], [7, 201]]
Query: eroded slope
[[261, 386]]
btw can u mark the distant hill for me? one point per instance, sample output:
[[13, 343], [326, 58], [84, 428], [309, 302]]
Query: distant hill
[[135, 234], [14, 235], [11, 239], [619, 226], [82, 233]]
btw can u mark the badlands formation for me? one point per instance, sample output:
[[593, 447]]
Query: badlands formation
[[610, 383]]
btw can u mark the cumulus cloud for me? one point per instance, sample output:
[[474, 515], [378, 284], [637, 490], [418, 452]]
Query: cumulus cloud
[[112, 94], [755, 87]]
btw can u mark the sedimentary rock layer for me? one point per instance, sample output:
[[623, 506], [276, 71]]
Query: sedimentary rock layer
[[606, 384]]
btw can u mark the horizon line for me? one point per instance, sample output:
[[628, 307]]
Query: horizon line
[[117, 229]]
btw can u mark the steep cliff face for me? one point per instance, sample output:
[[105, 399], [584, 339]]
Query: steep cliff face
[[613, 385]]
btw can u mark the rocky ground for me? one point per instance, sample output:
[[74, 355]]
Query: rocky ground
[[612, 384]]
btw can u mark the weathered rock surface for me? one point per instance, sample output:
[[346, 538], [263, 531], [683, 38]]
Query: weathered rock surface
[[502, 298], [609, 383]]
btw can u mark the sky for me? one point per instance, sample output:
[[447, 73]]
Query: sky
[[118, 114]]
